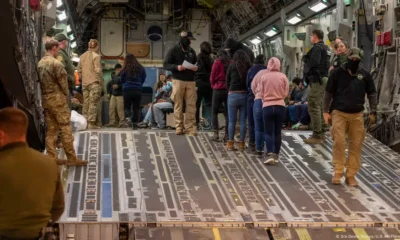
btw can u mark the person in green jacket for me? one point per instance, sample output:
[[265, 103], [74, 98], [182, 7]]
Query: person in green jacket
[[340, 57], [66, 60]]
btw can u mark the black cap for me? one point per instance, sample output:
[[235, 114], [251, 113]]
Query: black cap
[[117, 66], [61, 37]]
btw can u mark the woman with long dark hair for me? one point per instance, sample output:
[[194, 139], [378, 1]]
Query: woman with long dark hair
[[202, 77], [220, 92], [237, 97], [133, 76]]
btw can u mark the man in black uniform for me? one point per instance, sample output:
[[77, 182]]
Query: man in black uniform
[[344, 100], [316, 66], [183, 82], [231, 46]]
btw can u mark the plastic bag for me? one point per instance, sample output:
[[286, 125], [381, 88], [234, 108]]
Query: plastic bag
[[78, 122]]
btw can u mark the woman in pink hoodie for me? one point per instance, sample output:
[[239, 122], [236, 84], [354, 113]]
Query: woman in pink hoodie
[[273, 87]]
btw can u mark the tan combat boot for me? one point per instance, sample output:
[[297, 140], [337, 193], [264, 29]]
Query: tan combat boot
[[240, 145], [92, 125], [313, 140], [351, 181], [336, 178], [230, 145], [76, 162], [179, 131]]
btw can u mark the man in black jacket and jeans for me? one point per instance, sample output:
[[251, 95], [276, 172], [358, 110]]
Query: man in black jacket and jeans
[[183, 82], [114, 91]]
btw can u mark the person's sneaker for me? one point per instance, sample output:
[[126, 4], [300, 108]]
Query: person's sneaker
[[259, 154], [296, 126], [337, 178], [270, 159], [143, 125], [230, 146], [313, 140], [215, 136], [76, 162]]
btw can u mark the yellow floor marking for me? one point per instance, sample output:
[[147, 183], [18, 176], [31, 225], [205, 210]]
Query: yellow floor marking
[[303, 234], [339, 229], [217, 236], [361, 234]]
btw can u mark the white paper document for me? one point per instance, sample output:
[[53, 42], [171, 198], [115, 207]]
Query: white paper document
[[188, 65]]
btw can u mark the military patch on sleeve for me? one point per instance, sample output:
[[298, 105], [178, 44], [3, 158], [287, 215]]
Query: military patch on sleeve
[[360, 77], [60, 58]]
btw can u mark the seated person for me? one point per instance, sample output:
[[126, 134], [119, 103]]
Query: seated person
[[161, 104]]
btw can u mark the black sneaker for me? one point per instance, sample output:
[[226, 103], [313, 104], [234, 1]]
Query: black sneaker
[[259, 154], [143, 125]]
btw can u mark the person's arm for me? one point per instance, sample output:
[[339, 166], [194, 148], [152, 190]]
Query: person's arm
[[195, 58], [61, 76], [371, 93], [228, 77], [169, 61], [213, 75], [314, 59], [256, 82], [98, 69], [58, 205], [329, 91]]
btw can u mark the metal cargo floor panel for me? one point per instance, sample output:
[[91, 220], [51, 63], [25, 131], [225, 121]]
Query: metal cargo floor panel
[[148, 176]]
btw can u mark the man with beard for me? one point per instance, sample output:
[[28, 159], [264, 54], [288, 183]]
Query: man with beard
[[231, 46], [344, 101], [183, 81]]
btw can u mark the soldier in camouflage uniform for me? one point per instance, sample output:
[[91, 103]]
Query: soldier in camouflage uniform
[[91, 73], [54, 86]]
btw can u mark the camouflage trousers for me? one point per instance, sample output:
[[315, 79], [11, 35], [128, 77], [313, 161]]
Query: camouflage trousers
[[316, 94], [91, 97], [57, 116], [99, 121]]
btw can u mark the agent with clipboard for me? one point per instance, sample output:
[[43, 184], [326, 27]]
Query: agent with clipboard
[[181, 60]]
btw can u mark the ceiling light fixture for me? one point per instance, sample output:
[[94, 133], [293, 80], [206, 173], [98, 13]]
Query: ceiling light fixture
[[318, 7], [255, 41], [294, 19], [271, 32], [72, 37], [62, 16], [69, 29], [73, 45], [59, 3]]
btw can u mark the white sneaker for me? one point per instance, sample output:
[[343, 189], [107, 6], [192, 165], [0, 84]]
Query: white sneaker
[[270, 159]]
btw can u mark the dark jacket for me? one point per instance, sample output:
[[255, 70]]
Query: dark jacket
[[218, 75], [251, 74], [202, 76], [234, 82], [31, 192], [175, 57], [317, 59], [115, 80], [346, 93], [130, 82]]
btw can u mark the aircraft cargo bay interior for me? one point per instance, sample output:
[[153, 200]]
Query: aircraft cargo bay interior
[[200, 119]]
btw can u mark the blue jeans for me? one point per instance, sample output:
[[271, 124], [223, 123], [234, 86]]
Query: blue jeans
[[237, 102], [292, 114], [149, 116], [274, 116], [250, 120], [259, 124], [159, 112]]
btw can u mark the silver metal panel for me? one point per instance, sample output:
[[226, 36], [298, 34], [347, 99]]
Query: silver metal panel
[[159, 177]]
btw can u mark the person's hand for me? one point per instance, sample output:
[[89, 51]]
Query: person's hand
[[327, 118], [372, 118], [331, 68], [194, 69], [115, 86], [181, 68]]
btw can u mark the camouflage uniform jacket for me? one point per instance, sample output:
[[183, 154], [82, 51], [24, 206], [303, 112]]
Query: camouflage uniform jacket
[[53, 77], [67, 63]]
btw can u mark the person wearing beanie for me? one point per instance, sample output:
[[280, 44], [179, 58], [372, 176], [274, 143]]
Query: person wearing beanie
[[114, 90], [231, 46], [184, 89], [254, 108]]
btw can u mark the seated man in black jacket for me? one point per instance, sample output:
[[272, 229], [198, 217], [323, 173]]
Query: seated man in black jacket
[[114, 91]]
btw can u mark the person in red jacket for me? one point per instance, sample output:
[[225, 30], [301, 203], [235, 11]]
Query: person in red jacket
[[220, 92]]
